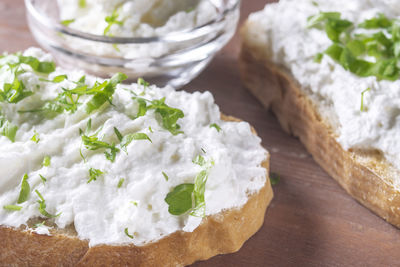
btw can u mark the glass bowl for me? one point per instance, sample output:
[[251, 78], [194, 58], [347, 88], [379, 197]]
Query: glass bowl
[[172, 59]]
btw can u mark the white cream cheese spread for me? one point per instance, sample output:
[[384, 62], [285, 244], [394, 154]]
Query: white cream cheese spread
[[282, 29], [103, 156], [135, 18]]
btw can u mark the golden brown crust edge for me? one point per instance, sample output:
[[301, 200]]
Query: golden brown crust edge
[[222, 233], [362, 176]]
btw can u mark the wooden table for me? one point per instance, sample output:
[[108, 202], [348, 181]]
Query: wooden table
[[311, 221]]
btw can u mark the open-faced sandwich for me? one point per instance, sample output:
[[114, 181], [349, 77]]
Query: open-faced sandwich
[[330, 72], [98, 173]]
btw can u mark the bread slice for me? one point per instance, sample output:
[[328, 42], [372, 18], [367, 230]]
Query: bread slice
[[224, 232], [365, 175]]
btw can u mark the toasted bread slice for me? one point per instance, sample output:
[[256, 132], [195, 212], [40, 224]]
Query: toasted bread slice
[[365, 175], [224, 232]]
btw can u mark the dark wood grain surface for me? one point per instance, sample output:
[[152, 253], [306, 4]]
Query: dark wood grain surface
[[311, 221]]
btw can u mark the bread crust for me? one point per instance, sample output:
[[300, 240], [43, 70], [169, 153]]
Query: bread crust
[[364, 175], [221, 233]]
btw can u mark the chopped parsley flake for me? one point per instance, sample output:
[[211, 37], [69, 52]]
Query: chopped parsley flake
[[68, 100], [120, 182], [169, 115], [42, 207], [165, 176], [82, 3], [352, 50], [216, 126], [46, 161], [362, 99], [127, 233], [94, 174], [40, 224], [12, 207], [25, 190], [57, 79], [199, 160], [42, 178], [180, 199], [7, 129], [274, 178], [143, 83], [92, 142], [112, 20], [67, 22], [127, 139], [35, 138]]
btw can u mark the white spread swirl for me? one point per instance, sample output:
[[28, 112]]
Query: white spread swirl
[[282, 29], [99, 210]]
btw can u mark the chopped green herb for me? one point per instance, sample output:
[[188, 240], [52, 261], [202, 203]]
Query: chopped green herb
[[43, 178], [42, 207], [134, 203], [318, 57], [118, 134], [92, 142], [180, 199], [151, 130], [39, 66], [40, 224], [7, 129], [16, 90], [46, 161], [216, 126], [112, 20], [362, 99], [199, 209], [313, 21], [143, 83], [274, 178], [121, 181], [56, 79], [127, 233], [351, 50], [25, 190], [94, 174], [199, 160], [169, 115], [67, 22], [165, 176], [68, 100], [115, 46], [35, 138], [82, 3], [12, 207], [127, 139], [103, 92], [381, 21]]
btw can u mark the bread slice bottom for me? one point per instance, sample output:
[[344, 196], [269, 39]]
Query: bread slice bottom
[[221, 233], [365, 175]]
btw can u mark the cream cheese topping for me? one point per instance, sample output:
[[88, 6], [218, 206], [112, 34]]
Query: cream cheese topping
[[282, 27], [100, 210], [139, 18], [134, 18]]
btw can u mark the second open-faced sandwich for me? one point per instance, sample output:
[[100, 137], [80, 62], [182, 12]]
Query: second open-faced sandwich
[[330, 72]]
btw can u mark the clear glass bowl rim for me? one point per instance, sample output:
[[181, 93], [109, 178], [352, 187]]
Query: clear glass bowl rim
[[176, 36]]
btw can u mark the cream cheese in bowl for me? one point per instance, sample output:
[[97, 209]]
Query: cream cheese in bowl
[[166, 42], [112, 158]]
